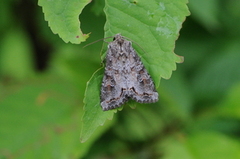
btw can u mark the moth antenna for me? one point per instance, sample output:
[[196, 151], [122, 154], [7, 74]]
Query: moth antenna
[[98, 41]]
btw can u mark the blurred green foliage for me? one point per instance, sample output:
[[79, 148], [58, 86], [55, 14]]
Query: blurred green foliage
[[43, 80]]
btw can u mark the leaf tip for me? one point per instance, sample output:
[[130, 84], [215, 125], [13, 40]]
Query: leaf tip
[[180, 59], [81, 38]]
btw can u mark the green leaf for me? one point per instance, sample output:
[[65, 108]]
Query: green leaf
[[230, 106], [202, 145], [176, 97], [16, 62], [139, 124], [175, 147], [40, 120], [217, 74], [63, 18], [93, 113], [209, 145], [154, 26]]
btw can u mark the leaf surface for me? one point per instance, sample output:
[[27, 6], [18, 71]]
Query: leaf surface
[[40, 120], [63, 18], [94, 116], [201, 145], [154, 25]]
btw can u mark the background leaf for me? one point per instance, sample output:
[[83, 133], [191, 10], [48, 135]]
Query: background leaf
[[207, 16], [218, 67], [62, 17], [201, 145], [39, 119], [22, 66], [230, 106]]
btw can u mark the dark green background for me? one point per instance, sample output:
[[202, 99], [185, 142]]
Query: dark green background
[[43, 79]]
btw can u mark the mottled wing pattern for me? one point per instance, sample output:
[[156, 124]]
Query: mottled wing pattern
[[141, 85], [125, 76], [112, 93]]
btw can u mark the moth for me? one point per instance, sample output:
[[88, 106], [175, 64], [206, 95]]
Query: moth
[[125, 76]]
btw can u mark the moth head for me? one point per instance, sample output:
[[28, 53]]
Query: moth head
[[118, 38]]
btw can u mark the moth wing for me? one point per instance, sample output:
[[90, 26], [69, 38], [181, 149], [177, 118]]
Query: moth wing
[[141, 86], [143, 90], [112, 95]]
